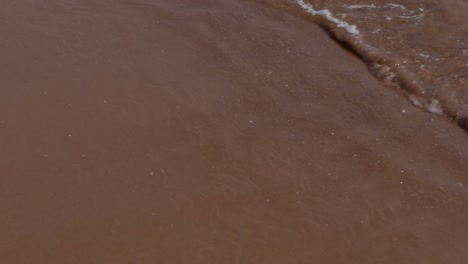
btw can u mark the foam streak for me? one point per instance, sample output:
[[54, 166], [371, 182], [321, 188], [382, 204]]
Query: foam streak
[[328, 15]]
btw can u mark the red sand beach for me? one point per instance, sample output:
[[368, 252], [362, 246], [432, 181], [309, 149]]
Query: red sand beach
[[213, 132]]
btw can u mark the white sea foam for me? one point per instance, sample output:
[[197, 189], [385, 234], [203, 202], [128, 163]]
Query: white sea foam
[[374, 6], [415, 101], [396, 6], [412, 17], [329, 16], [361, 6], [424, 55]]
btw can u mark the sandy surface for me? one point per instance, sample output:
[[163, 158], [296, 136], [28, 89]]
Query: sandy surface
[[212, 132]]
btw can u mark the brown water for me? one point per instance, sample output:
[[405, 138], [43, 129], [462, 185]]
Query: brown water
[[420, 47], [214, 132]]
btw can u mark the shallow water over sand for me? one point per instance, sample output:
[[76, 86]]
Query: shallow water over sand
[[213, 132]]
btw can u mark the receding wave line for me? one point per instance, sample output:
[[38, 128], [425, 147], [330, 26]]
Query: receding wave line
[[391, 71]]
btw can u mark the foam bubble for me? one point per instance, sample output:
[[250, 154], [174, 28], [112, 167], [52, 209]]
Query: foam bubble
[[434, 107]]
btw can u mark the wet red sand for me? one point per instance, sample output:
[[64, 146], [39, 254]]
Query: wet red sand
[[213, 132]]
